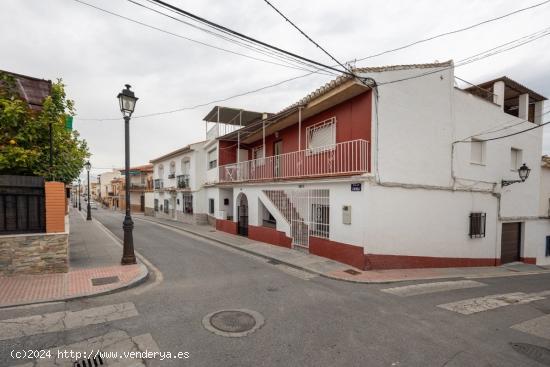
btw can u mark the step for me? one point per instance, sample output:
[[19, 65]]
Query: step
[[301, 248]]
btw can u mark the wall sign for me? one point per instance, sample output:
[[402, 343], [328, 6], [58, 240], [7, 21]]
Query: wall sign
[[355, 187]]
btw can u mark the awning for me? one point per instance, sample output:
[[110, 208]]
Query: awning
[[232, 116]]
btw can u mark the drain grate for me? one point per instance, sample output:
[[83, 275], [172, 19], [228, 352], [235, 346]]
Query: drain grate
[[104, 280], [274, 262], [352, 272], [89, 362], [534, 352]]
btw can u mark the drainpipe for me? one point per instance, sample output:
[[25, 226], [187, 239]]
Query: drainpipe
[[263, 134]]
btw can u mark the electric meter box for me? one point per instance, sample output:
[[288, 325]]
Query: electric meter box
[[346, 214]]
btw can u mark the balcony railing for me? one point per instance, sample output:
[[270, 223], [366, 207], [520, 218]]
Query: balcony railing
[[345, 158], [171, 175], [220, 129], [158, 184], [183, 181], [137, 186]]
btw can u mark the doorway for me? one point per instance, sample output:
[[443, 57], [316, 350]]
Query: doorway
[[277, 151], [510, 242], [242, 215], [142, 203]]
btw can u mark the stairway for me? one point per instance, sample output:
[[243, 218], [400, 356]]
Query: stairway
[[299, 230]]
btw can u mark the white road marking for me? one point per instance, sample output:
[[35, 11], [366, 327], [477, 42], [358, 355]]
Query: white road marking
[[475, 305], [118, 342], [64, 320], [434, 287], [539, 326]]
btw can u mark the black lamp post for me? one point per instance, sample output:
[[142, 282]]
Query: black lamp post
[[523, 172], [127, 101], [88, 166], [79, 206]]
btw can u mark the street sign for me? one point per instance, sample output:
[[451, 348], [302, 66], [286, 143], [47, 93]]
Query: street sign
[[355, 187]]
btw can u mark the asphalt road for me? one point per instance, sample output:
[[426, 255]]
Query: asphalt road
[[308, 321]]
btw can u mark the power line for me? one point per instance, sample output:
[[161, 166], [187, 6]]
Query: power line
[[243, 36], [512, 134], [454, 31], [306, 36], [184, 37]]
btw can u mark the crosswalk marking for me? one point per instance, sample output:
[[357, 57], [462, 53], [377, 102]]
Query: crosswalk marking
[[434, 287], [480, 304], [539, 326], [64, 320]]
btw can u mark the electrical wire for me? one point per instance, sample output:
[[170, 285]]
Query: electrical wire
[[306, 36], [454, 31]]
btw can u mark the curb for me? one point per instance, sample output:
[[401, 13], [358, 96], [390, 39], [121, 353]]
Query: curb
[[205, 236], [134, 283]]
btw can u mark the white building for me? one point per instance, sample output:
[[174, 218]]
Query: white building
[[178, 179], [394, 171], [104, 182]]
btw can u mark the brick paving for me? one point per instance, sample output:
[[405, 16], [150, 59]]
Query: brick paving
[[93, 254]]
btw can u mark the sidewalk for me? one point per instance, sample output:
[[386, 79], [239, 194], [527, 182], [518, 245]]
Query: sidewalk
[[335, 270], [94, 268]]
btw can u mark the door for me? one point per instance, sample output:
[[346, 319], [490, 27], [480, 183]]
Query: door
[[142, 203], [277, 151], [242, 215], [510, 243]]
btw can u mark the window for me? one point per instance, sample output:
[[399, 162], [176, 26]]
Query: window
[[156, 205], [188, 203], [166, 206], [172, 172], [258, 152], [212, 159], [477, 225], [477, 152], [160, 171], [321, 136], [211, 206], [547, 246], [515, 159], [185, 166]]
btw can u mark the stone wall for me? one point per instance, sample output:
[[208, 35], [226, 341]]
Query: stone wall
[[34, 254]]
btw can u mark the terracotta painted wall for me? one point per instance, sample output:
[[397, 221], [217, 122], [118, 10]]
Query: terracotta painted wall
[[344, 253], [226, 226], [373, 262], [269, 235], [55, 207], [228, 152], [353, 122]]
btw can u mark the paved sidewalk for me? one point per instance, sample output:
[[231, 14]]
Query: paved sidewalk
[[335, 270], [93, 256]]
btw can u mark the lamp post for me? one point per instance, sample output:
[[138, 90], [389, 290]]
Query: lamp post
[[523, 172], [127, 101], [79, 206], [88, 166]]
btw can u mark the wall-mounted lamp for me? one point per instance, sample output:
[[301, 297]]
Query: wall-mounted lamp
[[523, 172]]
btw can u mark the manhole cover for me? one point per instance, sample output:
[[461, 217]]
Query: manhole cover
[[104, 280], [233, 323], [534, 352]]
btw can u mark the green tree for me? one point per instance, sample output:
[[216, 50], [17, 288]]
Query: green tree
[[25, 138]]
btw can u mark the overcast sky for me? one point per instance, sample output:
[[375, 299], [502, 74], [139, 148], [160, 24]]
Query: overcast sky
[[96, 54]]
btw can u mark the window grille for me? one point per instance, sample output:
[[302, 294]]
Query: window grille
[[211, 206], [166, 206], [321, 136], [477, 225], [188, 203], [156, 205]]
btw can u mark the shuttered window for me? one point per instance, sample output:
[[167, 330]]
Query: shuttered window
[[212, 159], [211, 206], [477, 225], [321, 136], [477, 151]]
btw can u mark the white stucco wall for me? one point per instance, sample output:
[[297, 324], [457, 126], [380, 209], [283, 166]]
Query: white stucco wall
[[544, 197]]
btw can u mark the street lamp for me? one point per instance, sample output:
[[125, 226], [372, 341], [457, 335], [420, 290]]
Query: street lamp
[[79, 206], [523, 173], [88, 166], [127, 101]]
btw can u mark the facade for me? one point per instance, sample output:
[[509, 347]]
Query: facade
[[178, 180], [393, 176], [141, 181], [105, 190]]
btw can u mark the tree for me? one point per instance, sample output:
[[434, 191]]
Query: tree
[[25, 138]]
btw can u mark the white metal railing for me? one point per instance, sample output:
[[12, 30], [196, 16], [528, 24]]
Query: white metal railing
[[350, 157], [220, 129]]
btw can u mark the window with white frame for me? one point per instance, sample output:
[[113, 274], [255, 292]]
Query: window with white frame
[[258, 152], [515, 158], [185, 166], [321, 136], [477, 151], [212, 158], [160, 171], [172, 172]]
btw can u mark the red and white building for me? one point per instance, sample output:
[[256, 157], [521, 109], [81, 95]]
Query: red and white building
[[395, 172]]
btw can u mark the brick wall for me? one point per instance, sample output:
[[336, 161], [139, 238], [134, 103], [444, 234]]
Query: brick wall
[[34, 254], [55, 207]]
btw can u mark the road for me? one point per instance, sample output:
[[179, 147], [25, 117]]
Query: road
[[309, 320]]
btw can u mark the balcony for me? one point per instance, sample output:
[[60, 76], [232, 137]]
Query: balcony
[[171, 175], [137, 187], [342, 159], [158, 184], [183, 181]]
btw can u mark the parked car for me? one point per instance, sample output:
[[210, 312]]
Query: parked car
[[93, 205]]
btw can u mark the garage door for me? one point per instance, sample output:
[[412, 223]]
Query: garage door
[[511, 242]]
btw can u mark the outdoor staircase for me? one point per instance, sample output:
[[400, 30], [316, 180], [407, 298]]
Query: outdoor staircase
[[299, 230]]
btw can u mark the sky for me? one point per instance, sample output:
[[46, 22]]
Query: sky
[[96, 53]]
